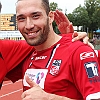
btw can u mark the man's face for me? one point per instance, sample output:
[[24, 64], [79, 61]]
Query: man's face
[[33, 23]]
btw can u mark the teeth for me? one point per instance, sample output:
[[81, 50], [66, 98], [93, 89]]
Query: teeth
[[31, 33]]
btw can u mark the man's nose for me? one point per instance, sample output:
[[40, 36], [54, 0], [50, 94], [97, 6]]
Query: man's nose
[[29, 24]]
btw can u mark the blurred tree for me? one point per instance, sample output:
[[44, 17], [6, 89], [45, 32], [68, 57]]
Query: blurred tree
[[53, 6], [79, 17], [93, 9], [87, 16]]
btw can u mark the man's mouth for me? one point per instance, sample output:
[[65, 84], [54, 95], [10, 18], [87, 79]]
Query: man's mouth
[[32, 34]]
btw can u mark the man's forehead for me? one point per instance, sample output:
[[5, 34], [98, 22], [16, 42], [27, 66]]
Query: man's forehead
[[28, 3], [27, 7]]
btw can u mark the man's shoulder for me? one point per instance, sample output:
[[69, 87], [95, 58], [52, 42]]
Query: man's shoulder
[[68, 41]]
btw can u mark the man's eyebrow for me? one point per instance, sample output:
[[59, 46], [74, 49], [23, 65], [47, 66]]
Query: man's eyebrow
[[19, 15], [36, 13]]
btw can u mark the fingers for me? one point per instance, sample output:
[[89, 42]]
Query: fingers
[[85, 40], [56, 18], [74, 36], [30, 82], [90, 45], [80, 36], [71, 29], [23, 95], [60, 17]]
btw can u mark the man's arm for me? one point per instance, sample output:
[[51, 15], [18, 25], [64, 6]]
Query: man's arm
[[66, 27], [37, 93]]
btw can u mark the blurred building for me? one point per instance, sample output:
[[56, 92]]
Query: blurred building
[[8, 27]]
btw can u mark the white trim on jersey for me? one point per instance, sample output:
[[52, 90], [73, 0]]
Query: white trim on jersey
[[93, 96], [96, 51], [54, 51]]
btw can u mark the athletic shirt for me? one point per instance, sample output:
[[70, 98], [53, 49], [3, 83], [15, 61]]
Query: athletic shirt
[[11, 54], [72, 70]]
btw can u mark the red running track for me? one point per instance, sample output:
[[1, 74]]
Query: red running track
[[11, 91]]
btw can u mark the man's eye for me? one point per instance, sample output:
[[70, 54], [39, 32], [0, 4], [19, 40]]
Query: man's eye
[[35, 16], [20, 19]]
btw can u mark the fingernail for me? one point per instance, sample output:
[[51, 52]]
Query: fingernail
[[72, 40]]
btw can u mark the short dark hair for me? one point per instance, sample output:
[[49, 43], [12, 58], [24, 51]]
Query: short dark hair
[[0, 6], [45, 4]]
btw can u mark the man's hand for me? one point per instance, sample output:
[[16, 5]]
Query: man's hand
[[82, 36], [64, 25], [35, 92]]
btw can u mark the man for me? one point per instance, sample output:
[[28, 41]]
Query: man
[[61, 68], [12, 53]]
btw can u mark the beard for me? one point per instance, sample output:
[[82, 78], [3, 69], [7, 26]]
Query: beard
[[41, 38]]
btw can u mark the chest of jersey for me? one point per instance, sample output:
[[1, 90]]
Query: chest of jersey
[[58, 79]]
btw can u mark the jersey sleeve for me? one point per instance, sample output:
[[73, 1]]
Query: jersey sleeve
[[11, 54], [86, 72]]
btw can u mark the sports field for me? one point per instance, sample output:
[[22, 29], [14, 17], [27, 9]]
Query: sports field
[[11, 91]]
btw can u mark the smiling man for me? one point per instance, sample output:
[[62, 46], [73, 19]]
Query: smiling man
[[62, 70]]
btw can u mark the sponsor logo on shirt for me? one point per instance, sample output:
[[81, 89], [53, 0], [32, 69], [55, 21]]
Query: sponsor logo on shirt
[[86, 55], [41, 57], [36, 75], [55, 67], [91, 69]]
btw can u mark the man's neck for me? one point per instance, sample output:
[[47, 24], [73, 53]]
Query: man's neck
[[54, 38]]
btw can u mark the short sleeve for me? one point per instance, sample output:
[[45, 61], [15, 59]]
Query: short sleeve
[[86, 72]]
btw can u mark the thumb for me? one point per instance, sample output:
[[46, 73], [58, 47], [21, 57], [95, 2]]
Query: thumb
[[30, 82]]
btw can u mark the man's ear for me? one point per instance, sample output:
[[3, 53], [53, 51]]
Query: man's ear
[[51, 16]]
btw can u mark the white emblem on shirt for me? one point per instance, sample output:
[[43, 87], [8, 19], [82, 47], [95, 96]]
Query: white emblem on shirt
[[85, 55], [41, 57]]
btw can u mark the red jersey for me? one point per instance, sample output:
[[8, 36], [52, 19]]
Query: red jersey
[[11, 54], [73, 70]]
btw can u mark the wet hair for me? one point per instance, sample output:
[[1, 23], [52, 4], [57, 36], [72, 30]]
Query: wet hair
[[45, 4], [0, 6]]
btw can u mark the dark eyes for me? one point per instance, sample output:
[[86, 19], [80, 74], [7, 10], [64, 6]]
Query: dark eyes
[[20, 19], [35, 16]]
